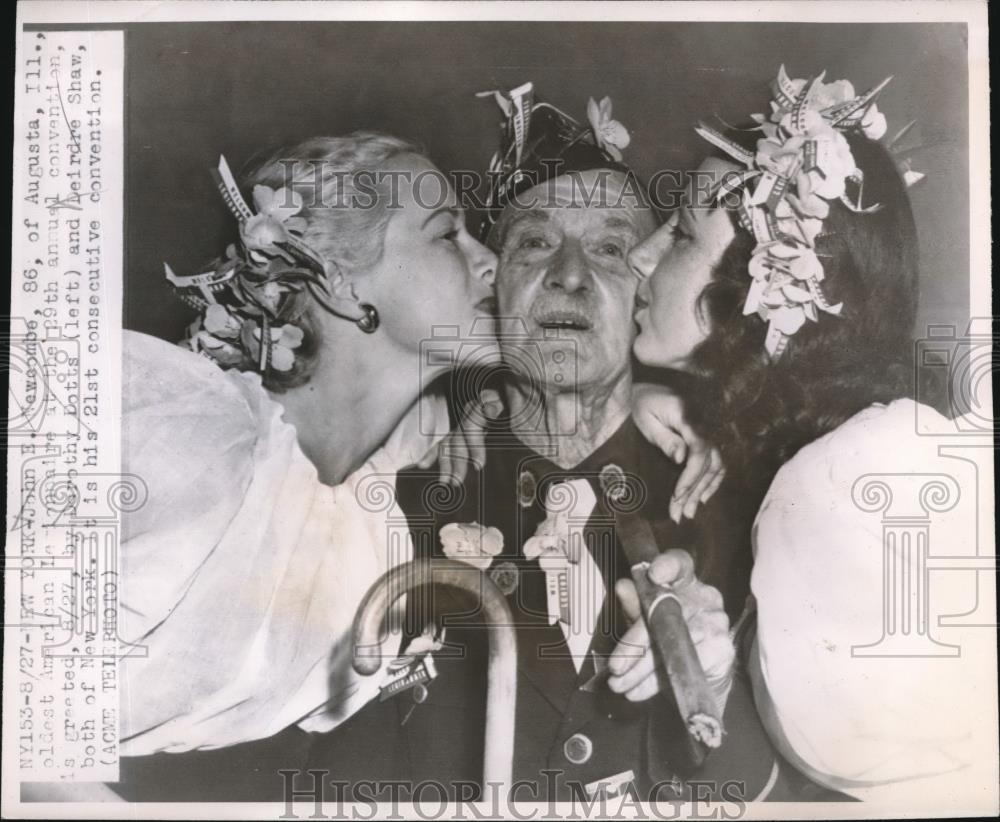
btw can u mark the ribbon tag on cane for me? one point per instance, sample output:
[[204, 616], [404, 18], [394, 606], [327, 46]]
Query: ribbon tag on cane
[[415, 667], [557, 595]]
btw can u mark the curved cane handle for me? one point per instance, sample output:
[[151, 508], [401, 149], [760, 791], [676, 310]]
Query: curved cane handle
[[501, 676]]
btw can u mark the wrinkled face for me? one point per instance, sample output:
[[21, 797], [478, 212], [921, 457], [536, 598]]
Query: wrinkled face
[[563, 278], [433, 275], [676, 263]]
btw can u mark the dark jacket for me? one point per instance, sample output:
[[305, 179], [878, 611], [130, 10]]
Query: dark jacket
[[571, 729]]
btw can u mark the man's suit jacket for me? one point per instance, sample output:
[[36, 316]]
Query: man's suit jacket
[[571, 729]]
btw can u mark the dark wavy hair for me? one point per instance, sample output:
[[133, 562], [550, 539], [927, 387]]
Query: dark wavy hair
[[761, 413]]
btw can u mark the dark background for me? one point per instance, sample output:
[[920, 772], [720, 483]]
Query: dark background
[[196, 90]]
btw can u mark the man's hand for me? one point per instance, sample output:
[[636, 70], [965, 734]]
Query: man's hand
[[659, 414], [465, 444], [635, 670]]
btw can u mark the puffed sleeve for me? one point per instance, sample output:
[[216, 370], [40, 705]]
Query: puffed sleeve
[[243, 572], [188, 435], [852, 714]]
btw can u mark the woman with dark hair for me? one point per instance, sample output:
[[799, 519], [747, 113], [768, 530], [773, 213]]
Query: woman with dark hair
[[786, 287], [761, 409]]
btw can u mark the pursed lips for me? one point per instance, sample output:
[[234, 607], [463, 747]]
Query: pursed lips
[[488, 305], [564, 319]]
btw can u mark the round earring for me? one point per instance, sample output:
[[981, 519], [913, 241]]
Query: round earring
[[369, 322]]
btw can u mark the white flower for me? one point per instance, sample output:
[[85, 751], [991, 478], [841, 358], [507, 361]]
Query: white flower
[[827, 95], [805, 205], [261, 232], [271, 223], [787, 319], [777, 157], [611, 135], [873, 124], [284, 340], [220, 323], [268, 295], [834, 164], [280, 204], [471, 542], [550, 544], [800, 263]]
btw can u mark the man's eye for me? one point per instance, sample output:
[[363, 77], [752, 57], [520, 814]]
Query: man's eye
[[612, 250], [450, 236], [532, 243]]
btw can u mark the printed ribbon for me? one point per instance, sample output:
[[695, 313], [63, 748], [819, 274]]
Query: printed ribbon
[[574, 583]]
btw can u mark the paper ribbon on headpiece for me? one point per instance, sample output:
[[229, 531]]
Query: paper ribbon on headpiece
[[522, 99], [231, 192], [801, 163], [910, 177]]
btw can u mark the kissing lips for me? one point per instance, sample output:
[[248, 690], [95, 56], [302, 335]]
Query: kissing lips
[[487, 305]]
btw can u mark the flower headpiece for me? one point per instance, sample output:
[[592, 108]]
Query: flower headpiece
[[249, 313], [539, 142], [801, 163]]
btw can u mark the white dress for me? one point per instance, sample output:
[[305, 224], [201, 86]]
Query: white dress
[[911, 724], [243, 572]]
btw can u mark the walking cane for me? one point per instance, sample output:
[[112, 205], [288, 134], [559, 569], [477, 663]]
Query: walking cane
[[501, 674]]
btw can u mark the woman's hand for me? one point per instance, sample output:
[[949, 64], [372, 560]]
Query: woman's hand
[[635, 670], [659, 414], [466, 443]]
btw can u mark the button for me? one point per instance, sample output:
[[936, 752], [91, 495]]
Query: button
[[505, 575], [578, 748], [527, 487]]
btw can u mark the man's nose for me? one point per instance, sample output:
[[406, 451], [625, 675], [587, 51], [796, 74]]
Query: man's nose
[[643, 258], [569, 270]]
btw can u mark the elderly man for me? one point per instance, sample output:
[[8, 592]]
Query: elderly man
[[540, 520]]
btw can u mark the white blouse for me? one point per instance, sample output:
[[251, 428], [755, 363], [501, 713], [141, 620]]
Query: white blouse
[[917, 729], [243, 572]]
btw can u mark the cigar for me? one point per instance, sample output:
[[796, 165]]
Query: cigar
[[669, 635]]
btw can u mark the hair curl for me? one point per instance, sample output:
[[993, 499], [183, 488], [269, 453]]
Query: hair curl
[[761, 413]]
